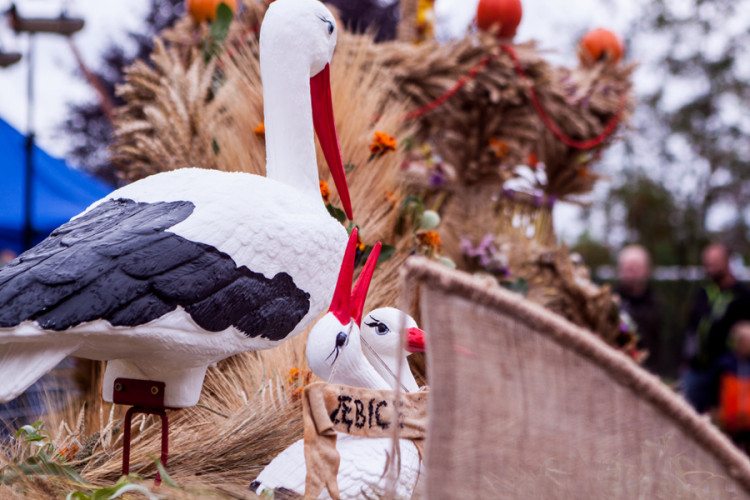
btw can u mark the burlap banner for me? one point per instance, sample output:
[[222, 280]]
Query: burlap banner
[[330, 408]]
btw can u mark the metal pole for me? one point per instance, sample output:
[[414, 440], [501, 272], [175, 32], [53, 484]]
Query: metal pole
[[28, 230]]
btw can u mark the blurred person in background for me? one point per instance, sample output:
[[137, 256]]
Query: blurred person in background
[[717, 307], [639, 302], [6, 255]]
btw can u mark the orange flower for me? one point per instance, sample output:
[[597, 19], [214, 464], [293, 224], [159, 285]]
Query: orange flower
[[429, 239], [360, 244], [498, 147], [391, 198], [260, 130], [584, 172], [533, 160], [324, 191], [382, 143], [69, 452], [298, 379]]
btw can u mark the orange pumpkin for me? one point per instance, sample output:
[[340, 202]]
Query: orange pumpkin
[[202, 10], [503, 15], [600, 45]]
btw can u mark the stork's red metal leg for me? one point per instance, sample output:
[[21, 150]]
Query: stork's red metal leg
[[126, 437], [148, 398]]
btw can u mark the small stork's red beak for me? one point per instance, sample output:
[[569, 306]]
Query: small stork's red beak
[[341, 304], [415, 340], [363, 284], [325, 127]]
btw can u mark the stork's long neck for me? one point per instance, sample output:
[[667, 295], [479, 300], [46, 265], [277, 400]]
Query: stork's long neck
[[388, 370], [290, 141], [356, 370]]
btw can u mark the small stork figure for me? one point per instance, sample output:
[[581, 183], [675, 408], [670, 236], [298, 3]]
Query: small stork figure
[[334, 353], [381, 343], [177, 271]]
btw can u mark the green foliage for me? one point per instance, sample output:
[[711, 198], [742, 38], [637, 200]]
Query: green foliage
[[672, 234], [336, 213], [412, 210], [123, 485], [519, 286], [386, 252], [41, 461], [593, 252], [165, 477], [219, 31]]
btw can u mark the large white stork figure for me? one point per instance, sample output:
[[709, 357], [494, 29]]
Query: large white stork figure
[[182, 269], [334, 353]]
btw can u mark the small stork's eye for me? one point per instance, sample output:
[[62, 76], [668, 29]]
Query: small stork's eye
[[340, 339], [380, 327]]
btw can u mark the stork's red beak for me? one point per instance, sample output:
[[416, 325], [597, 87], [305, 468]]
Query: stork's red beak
[[415, 340], [347, 305], [325, 127]]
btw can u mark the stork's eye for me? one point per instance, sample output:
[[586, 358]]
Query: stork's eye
[[341, 339], [380, 327], [329, 23]]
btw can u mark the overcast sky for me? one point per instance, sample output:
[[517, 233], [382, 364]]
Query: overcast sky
[[554, 24]]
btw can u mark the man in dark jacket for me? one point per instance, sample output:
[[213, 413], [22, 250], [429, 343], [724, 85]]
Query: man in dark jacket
[[639, 302], [717, 307]]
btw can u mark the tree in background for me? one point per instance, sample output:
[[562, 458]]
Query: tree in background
[[87, 125], [693, 128]]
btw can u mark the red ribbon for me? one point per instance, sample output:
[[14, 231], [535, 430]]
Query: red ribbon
[[546, 119]]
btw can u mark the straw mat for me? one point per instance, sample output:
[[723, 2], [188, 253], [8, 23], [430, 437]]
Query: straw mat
[[527, 405]]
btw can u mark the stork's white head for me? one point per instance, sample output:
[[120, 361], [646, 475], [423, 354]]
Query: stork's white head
[[294, 29], [381, 338], [334, 351]]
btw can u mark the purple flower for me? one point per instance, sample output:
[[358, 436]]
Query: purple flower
[[487, 244], [437, 178], [465, 246]]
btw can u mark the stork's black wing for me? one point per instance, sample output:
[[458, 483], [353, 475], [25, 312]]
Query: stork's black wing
[[117, 262]]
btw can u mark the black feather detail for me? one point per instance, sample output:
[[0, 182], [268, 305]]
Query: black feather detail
[[118, 263]]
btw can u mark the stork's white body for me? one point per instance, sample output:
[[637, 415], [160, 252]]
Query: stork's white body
[[263, 224], [274, 224]]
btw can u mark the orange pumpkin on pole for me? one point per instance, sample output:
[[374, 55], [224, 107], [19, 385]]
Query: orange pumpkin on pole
[[504, 16], [600, 45], [202, 10]]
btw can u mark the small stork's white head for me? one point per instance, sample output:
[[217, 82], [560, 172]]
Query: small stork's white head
[[333, 350], [382, 343]]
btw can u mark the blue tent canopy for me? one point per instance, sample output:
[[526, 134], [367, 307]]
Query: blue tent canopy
[[59, 192]]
